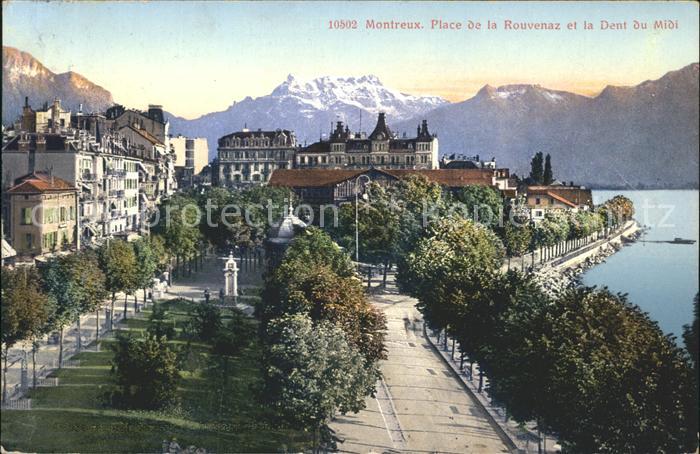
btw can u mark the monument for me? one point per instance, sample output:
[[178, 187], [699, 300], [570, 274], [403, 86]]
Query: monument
[[231, 277]]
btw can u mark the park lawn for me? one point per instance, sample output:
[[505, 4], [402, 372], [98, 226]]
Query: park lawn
[[73, 417]]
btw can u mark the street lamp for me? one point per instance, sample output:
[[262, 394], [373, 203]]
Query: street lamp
[[357, 214]]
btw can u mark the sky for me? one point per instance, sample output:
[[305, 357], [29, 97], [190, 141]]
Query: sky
[[199, 57]]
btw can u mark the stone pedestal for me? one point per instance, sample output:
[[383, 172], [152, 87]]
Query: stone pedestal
[[231, 277]]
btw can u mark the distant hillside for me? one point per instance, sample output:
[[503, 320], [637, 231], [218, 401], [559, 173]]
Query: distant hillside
[[640, 136], [23, 75]]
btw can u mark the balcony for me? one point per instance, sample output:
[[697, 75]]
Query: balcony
[[116, 193], [116, 173], [88, 177]]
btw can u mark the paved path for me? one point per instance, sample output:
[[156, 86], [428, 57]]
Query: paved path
[[422, 407]]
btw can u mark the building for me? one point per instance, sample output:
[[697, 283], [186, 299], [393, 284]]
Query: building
[[119, 174], [381, 150], [50, 119], [461, 161], [543, 199], [43, 214], [247, 157], [334, 186], [153, 121], [191, 156]]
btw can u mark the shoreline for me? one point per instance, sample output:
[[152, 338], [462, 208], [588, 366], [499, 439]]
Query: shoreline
[[556, 278]]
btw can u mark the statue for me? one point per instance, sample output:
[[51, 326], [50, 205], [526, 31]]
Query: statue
[[230, 276]]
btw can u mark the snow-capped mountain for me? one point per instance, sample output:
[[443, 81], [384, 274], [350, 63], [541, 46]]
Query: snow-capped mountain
[[366, 92], [23, 75], [644, 135], [309, 107]]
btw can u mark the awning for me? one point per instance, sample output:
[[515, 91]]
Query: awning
[[7, 250]]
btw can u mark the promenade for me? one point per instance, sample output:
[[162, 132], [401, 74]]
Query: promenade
[[421, 405]]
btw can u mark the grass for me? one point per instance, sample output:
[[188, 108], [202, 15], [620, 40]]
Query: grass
[[73, 417]]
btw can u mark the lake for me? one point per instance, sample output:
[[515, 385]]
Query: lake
[[660, 278]]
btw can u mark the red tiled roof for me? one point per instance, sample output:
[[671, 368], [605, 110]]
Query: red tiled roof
[[40, 182], [561, 199], [570, 195], [314, 178], [453, 178]]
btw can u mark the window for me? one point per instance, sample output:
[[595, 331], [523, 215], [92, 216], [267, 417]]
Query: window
[[537, 200], [50, 215], [28, 241], [26, 216], [49, 240], [64, 212]]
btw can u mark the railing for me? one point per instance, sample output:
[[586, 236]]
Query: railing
[[88, 176], [116, 193], [18, 404], [116, 173]]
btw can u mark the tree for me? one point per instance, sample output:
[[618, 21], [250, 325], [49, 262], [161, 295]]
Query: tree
[[517, 239], [312, 373], [58, 281], [146, 265], [118, 262], [448, 265], [323, 295], [316, 278], [178, 224], [159, 324], [160, 253], [230, 340], [482, 204], [690, 333], [536, 168], [205, 320], [25, 311], [378, 226], [548, 176], [89, 285], [616, 211], [145, 372], [614, 382]]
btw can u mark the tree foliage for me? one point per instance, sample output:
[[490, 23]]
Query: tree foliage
[[316, 278], [145, 372], [482, 204], [312, 373], [548, 174], [26, 309], [536, 168], [118, 262]]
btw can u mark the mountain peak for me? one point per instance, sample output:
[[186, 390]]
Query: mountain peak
[[366, 92], [23, 75]]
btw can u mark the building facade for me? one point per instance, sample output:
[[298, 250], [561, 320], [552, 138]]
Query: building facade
[[247, 158], [191, 156], [381, 149], [119, 172], [43, 214], [544, 199], [50, 119]]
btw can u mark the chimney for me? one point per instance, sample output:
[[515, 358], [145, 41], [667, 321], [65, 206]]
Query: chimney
[[26, 101], [40, 142]]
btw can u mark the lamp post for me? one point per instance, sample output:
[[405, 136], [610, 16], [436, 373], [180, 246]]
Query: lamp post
[[357, 216]]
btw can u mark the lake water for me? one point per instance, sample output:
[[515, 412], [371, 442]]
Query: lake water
[[660, 278]]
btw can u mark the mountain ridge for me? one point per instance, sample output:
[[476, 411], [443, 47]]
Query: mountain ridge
[[24, 75], [626, 136]]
